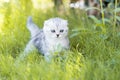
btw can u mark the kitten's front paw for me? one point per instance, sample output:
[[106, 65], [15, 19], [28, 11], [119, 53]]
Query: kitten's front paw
[[48, 57]]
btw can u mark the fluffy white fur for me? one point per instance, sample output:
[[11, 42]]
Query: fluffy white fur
[[52, 40]]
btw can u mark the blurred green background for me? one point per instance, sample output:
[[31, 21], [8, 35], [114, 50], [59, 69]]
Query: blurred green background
[[94, 43]]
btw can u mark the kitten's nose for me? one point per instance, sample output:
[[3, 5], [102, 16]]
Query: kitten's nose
[[57, 35]]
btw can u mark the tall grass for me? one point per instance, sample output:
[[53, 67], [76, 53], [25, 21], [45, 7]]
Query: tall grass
[[92, 55]]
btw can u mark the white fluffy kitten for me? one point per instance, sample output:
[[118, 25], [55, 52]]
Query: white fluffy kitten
[[52, 38]]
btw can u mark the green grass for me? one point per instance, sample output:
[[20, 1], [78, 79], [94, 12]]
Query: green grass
[[93, 54]]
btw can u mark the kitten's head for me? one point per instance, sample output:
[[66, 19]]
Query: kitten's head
[[55, 28]]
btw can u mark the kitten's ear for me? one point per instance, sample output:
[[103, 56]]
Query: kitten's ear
[[46, 23], [66, 22]]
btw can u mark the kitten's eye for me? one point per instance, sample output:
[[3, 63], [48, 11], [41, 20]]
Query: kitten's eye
[[53, 31], [61, 30]]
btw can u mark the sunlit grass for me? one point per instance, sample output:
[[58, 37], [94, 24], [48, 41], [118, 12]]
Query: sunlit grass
[[4, 0], [43, 4], [1, 23], [93, 55]]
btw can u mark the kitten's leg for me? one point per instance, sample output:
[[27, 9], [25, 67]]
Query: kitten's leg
[[48, 57], [29, 48], [33, 28]]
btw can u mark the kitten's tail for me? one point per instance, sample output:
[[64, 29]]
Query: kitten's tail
[[33, 28]]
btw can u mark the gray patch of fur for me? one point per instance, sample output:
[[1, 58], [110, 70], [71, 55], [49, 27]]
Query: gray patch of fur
[[37, 37], [39, 41]]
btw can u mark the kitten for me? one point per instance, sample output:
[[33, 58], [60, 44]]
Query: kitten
[[52, 38]]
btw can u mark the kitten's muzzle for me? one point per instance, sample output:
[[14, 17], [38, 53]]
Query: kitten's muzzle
[[57, 35]]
